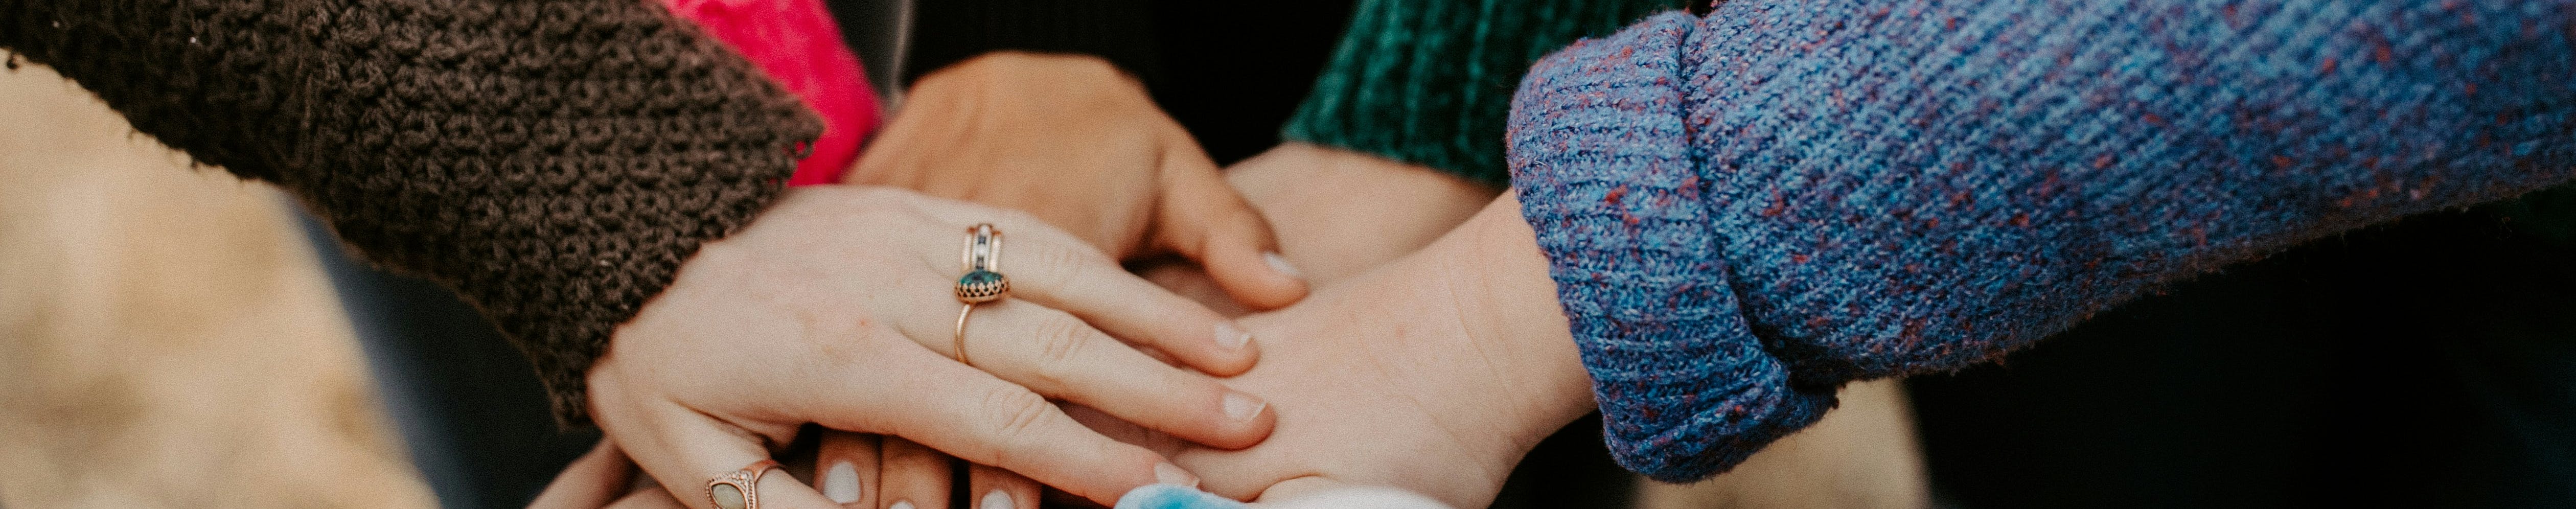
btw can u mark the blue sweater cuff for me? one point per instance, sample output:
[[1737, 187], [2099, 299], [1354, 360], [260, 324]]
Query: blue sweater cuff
[[1601, 158]]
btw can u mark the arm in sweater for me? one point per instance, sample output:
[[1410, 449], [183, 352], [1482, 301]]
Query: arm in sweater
[[1429, 82], [553, 161], [1745, 211]]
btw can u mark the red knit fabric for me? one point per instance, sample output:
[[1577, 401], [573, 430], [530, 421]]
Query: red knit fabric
[[796, 43]]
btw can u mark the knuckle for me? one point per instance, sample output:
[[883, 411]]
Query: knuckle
[[1058, 267], [1060, 341], [1014, 415]]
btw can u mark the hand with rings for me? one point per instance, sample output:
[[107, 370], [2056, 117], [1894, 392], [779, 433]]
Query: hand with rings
[[839, 307]]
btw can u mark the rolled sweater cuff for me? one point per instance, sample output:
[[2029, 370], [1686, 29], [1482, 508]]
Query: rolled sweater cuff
[[1602, 160]]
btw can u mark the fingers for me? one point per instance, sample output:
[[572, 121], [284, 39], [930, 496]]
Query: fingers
[[914, 477], [973, 416], [591, 481], [686, 449], [1204, 219], [994, 488], [1059, 356], [1089, 285], [846, 468]]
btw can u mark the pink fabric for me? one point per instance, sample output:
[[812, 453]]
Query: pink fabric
[[796, 43]]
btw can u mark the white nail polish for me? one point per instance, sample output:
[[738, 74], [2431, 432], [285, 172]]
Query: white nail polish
[[997, 500], [1242, 408], [1280, 263], [902, 504], [841, 483], [1231, 338], [1167, 473]]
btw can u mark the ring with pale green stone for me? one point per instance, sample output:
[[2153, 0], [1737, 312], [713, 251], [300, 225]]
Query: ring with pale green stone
[[740, 489], [983, 282]]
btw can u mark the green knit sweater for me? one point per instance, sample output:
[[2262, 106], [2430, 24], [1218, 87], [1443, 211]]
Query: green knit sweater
[[1429, 82]]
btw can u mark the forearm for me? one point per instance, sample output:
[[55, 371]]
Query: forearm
[[1786, 196], [498, 148]]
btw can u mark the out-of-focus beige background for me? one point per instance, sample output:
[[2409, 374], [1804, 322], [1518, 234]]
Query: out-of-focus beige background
[[166, 336]]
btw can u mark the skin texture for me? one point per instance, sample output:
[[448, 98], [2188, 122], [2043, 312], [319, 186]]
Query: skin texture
[[834, 309], [1077, 143], [1340, 214], [1434, 373]]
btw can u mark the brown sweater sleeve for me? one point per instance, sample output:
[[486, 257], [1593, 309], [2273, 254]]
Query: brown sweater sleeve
[[552, 160]]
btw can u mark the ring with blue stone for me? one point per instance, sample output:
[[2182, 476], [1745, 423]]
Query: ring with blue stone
[[983, 281]]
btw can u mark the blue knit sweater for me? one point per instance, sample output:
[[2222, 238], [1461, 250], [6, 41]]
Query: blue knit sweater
[[1746, 211]]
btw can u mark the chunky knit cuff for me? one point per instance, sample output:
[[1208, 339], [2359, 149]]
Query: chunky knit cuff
[[1745, 211], [1603, 165], [1429, 82], [946, 32], [552, 161]]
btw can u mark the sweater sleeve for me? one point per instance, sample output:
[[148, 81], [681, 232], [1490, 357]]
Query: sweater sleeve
[[553, 161], [1429, 82], [1744, 212]]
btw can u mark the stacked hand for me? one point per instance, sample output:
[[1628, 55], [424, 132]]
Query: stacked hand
[[834, 309]]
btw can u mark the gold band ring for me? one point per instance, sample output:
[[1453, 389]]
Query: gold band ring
[[983, 282], [740, 489]]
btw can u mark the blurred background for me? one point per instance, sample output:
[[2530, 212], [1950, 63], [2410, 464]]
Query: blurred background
[[167, 337]]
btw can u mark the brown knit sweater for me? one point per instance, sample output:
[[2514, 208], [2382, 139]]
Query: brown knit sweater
[[552, 160]]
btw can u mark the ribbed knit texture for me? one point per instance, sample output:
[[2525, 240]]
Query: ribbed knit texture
[[1429, 82], [552, 160], [1744, 212], [945, 32]]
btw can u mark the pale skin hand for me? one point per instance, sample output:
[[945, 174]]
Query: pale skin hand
[[1080, 145], [1072, 140], [834, 308], [1434, 373], [1338, 213]]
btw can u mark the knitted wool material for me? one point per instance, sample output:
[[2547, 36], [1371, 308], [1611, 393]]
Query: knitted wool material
[[1429, 82], [1744, 212], [552, 160]]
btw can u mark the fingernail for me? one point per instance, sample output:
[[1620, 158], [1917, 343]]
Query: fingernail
[[901, 504], [1167, 473], [1241, 407], [1280, 263], [997, 500], [1231, 338], [841, 482]]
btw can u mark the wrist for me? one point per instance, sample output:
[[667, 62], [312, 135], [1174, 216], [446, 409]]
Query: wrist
[[1507, 301]]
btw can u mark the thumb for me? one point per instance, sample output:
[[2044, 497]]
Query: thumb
[[1205, 220]]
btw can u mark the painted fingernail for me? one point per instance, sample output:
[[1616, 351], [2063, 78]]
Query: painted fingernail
[[841, 482], [997, 500], [1167, 473], [1231, 338], [1241, 407], [1280, 263], [901, 504]]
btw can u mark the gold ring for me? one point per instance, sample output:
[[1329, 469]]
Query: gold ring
[[740, 489], [983, 282]]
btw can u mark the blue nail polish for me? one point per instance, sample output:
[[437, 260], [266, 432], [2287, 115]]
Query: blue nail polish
[[1168, 496]]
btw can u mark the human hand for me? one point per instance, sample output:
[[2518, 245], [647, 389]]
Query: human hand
[[835, 307], [1079, 144], [1434, 373], [1337, 213]]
